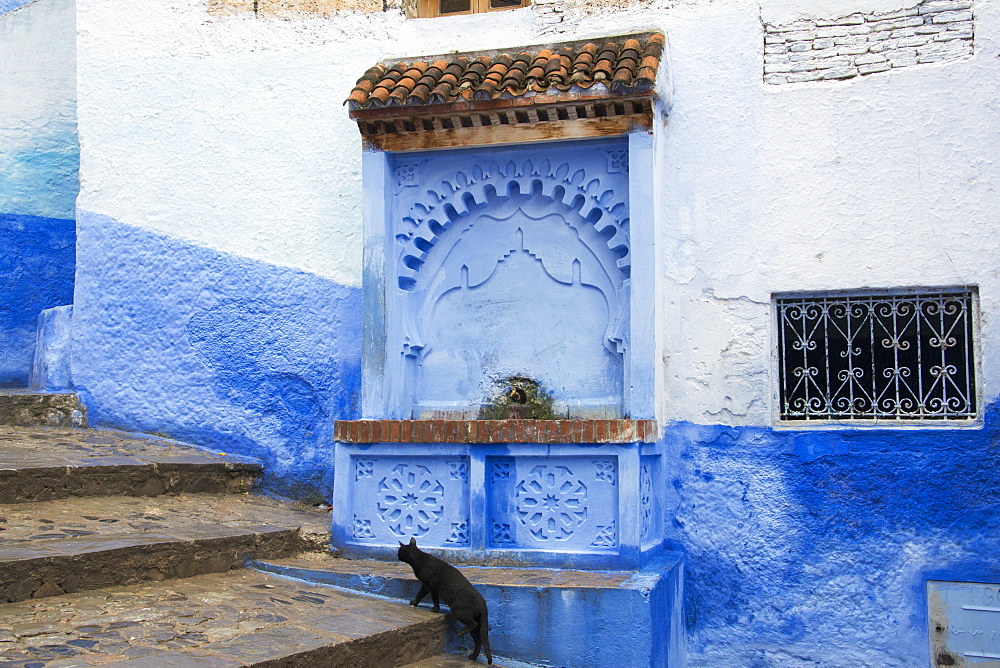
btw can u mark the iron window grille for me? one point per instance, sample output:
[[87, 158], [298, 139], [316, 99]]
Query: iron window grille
[[902, 356]]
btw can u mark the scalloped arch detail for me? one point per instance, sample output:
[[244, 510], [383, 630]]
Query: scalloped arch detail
[[422, 225]]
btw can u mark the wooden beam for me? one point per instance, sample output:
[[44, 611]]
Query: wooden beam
[[580, 128]]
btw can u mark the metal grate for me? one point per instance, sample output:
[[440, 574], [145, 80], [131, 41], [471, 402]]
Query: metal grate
[[901, 356]]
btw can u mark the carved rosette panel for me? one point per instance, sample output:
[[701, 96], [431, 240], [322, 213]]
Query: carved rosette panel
[[394, 498], [410, 500], [553, 503]]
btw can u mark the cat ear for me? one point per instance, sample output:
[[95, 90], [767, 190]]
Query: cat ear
[[413, 542], [401, 543]]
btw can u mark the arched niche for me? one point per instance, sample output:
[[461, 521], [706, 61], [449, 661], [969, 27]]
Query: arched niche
[[510, 268]]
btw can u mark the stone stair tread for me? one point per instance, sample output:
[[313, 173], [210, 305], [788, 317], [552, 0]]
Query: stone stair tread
[[365, 569], [74, 546], [42, 463], [57, 447], [188, 516], [239, 618], [55, 547]]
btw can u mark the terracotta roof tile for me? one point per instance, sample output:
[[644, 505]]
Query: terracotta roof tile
[[627, 65]]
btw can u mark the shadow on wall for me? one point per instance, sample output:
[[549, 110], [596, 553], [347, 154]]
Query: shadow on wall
[[37, 262], [250, 345], [238, 355]]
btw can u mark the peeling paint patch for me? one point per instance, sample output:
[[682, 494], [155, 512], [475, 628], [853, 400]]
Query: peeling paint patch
[[859, 44]]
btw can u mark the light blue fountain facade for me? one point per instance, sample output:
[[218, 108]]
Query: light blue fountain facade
[[492, 264]]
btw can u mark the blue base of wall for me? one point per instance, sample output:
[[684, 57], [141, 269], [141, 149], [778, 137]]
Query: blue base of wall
[[802, 547], [37, 262], [222, 351], [813, 547]]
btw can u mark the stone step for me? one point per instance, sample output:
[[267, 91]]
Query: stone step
[[39, 464], [561, 617], [29, 408], [241, 618], [61, 546]]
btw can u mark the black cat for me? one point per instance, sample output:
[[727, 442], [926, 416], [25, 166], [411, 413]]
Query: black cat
[[438, 578]]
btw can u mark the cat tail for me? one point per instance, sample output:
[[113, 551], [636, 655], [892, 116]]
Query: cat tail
[[484, 627]]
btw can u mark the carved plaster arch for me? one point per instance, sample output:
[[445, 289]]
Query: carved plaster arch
[[496, 207], [421, 227], [576, 212]]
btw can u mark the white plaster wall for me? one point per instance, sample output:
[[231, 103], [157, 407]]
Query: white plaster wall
[[882, 181], [787, 11], [38, 149], [230, 132]]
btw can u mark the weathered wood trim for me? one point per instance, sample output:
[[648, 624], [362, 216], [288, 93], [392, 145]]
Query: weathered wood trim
[[554, 101], [431, 8], [580, 128]]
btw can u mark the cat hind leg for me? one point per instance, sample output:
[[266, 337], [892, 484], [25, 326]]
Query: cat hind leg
[[470, 625], [477, 639]]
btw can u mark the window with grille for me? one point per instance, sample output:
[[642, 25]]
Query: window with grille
[[902, 356], [430, 8]]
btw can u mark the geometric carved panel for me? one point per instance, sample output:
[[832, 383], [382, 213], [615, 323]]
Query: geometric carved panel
[[553, 503], [395, 498]]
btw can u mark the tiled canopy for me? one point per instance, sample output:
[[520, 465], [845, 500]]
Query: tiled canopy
[[626, 65], [607, 85]]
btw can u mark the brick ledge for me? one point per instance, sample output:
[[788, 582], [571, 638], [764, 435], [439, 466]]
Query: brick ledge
[[496, 431]]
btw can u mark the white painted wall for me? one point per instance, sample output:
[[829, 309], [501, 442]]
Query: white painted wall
[[230, 132], [38, 148], [884, 181]]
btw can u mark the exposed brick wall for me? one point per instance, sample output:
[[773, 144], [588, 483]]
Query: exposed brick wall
[[496, 431], [860, 44]]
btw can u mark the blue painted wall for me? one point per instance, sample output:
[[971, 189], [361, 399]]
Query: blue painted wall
[[37, 259], [11, 5], [246, 357], [39, 145], [812, 548], [41, 176]]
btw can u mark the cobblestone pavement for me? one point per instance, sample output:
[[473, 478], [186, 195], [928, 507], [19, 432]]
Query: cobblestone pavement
[[45, 463], [36, 523], [67, 446], [234, 618]]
